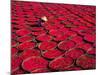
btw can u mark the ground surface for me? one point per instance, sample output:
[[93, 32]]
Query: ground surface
[[66, 42]]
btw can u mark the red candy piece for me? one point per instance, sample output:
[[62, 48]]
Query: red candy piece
[[47, 45], [34, 63], [86, 62], [66, 45]]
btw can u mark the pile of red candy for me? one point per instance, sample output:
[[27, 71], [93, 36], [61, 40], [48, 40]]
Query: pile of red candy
[[66, 42]]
